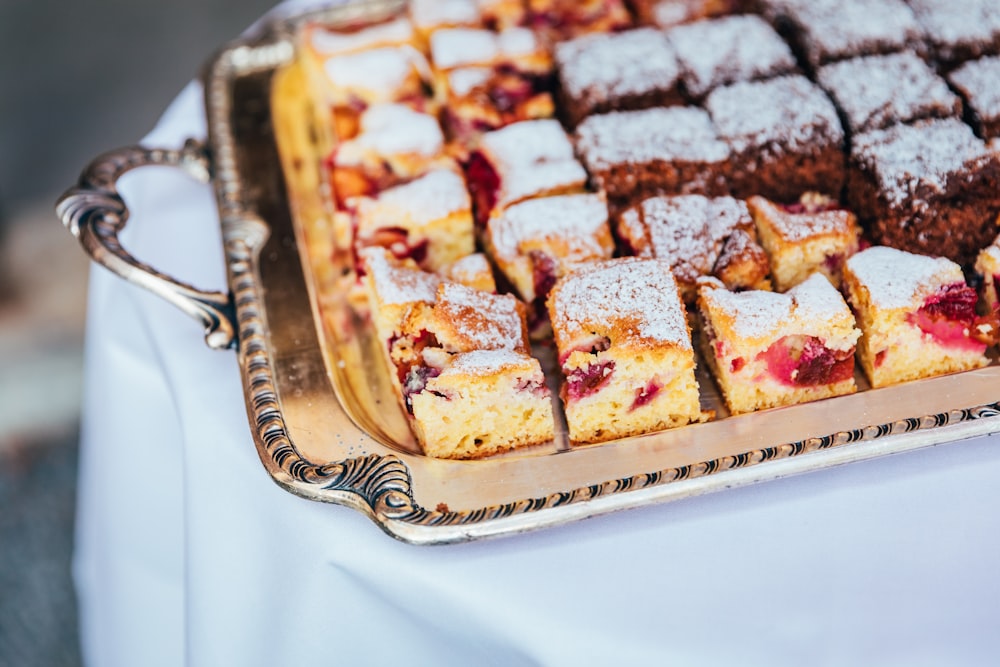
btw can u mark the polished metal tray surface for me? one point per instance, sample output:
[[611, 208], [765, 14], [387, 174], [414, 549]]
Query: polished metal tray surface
[[324, 421]]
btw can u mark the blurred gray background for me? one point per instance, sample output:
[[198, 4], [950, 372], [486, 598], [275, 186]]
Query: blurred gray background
[[77, 79]]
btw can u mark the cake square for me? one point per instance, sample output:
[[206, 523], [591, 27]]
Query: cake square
[[485, 80], [523, 160], [722, 51], [624, 350], [394, 144], [559, 20], [976, 81], [931, 188], [632, 155], [537, 241], [873, 92], [742, 263], [689, 232], [917, 315], [785, 136], [814, 236], [769, 349], [429, 16], [959, 30], [428, 219], [824, 31], [633, 69], [668, 13]]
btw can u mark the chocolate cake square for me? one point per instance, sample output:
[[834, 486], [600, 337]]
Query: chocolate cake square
[[632, 155], [931, 188], [601, 72], [824, 31], [784, 135], [959, 30], [978, 81], [874, 92], [718, 52]]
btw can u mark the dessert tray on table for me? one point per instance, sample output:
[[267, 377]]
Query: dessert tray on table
[[325, 421]]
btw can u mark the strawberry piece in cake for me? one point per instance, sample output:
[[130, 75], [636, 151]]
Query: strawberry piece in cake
[[959, 30], [486, 80], [624, 350], [874, 92], [814, 235], [727, 50], [690, 233], [394, 144], [523, 160], [564, 19], [917, 315], [632, 155], [976, 82], [536, 242], [931, 188], [428, 220], [668, 13], [824, 31], [635, 69], [767, 349], [785, 136]]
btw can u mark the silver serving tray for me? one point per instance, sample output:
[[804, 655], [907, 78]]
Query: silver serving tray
[[322, 414]]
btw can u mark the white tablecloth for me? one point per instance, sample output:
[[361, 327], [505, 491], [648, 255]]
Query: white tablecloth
[[187, 552]]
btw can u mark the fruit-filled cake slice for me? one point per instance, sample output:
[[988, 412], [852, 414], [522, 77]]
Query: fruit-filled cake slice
[[524, 160], [428, 220], [917, 314], [485, 80], [564, 19], [813, 235], [691, 233], [668, 13], [767, 349], [624, 350], [537, 241]]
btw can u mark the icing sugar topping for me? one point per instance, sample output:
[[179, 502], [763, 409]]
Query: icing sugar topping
[[576, 219], [331, 42], [396, 284], [978, 80], [600, 67], [899, 279], [636, 297], [876, 91], [911, 160], [427, 14], [378, 74], [430, 198], [489, 362], [686, 133], [948, 22], [734, 48], [393, 129], [532, 157], [795, 227], [482, 319], [788, 111], [462, 47]]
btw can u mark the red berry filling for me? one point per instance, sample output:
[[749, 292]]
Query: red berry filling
[[594, 346], [416, 381], [396, 240], [582, 382], [949, 317], [484, 184], [646, 394], [532, 386], [544, 278], [804, 361]]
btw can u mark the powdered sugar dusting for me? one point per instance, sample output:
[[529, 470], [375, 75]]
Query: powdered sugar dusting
[[395, 284], [379, 73], [899, 279], [979, 81], [909, 160], [458, 47], [464, 80], [532, 157], [796, 227], [487, 321], [515, 42], [730, 49], [427, 199], [637, 295], [949, 23], [393, 129], [428, 14], [787, 111], [689, 230], [575, 218], [490, 362], [672, 133], [601, 67], [330, 42], [877, 91]]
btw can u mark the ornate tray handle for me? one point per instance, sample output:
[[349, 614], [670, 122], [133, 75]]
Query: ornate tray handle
[[95, 213]]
